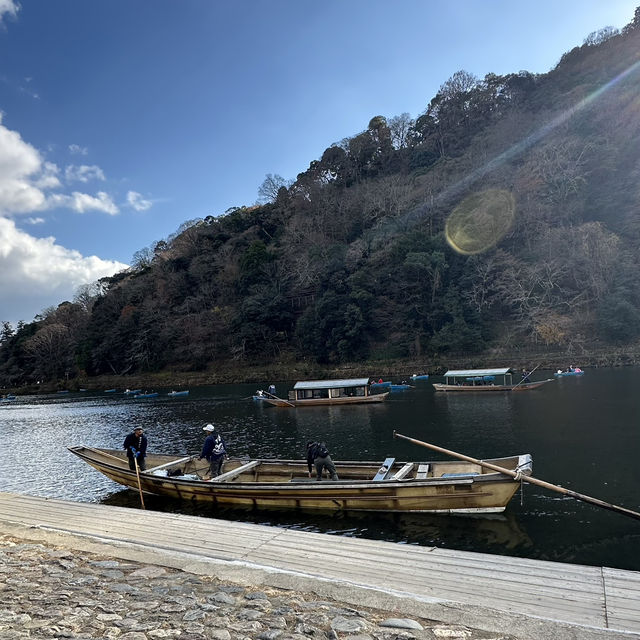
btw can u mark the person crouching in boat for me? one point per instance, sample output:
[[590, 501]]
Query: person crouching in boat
[[136, 445], [213, 450], [318, 456]]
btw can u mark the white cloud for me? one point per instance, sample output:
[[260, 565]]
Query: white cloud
[[137, 202], [83, 202], [37, 272], [83, 173], [77, 150], [26, 179], [8, 7], [34, 220]]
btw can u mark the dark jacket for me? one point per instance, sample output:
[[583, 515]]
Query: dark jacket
[[316, 450], [214, 447], [134, 442]]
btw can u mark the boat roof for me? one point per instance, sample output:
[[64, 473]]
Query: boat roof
[[478, 372], [331, 384]]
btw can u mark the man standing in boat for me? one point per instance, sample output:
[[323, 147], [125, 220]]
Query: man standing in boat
[[318, 456], [136, 445], [213, 450]]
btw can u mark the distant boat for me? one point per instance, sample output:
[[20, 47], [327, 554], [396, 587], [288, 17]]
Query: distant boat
[[81, 389], [9, 396], [153, 394], [420, 376], [109, 390], [400, 387], [63, 391], [376, 386], [318, 392], [484, 380], [132, 392], [176, 394], [577, 371]]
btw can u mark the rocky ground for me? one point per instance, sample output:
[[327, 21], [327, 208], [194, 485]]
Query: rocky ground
[[52, 592]]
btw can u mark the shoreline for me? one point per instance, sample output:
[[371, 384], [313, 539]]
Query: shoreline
[[265, 373]]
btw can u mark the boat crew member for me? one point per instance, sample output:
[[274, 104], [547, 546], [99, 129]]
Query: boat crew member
[[136, 445], [213, 450], [272, 389], [318, 456]]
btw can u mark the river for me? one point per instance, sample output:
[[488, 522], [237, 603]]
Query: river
[[583, 433]]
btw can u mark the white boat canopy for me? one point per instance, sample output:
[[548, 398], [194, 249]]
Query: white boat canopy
[[472, 373], [331, 384]]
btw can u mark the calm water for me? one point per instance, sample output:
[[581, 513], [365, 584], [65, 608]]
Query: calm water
[[583, 434]]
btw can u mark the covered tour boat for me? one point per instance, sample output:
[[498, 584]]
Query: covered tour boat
[[485, 380], [318, 392], [450, 486]]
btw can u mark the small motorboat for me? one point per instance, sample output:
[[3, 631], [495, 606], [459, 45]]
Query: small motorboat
[[153, 394], [420, 376], [572, 371], [177, 394]]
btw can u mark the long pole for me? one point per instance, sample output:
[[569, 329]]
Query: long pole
[[135, 461], [529, 479], [528, 374]]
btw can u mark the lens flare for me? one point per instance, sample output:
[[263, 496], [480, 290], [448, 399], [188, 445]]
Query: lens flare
[[480, 221]]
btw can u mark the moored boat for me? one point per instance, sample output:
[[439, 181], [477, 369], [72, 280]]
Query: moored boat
[[152, 394], [403, 386], [449, 486], [319, 392], [485, 380], [178, 394], [420, 376], [132, 392]]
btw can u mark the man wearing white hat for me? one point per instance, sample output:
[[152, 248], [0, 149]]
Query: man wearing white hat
[[213, 450]]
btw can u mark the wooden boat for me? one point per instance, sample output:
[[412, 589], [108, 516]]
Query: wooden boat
[[450, 487], [319, 392], [178, 394], [484, 380]]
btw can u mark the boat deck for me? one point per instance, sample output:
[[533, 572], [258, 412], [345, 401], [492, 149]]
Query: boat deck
[[521, 597]]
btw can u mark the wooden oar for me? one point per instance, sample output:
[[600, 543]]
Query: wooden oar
[[529, 479], [135, 462]]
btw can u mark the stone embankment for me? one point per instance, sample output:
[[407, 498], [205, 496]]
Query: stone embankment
[[53, 592]]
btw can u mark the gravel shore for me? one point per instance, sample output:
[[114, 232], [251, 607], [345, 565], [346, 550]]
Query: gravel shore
[[56, 592]]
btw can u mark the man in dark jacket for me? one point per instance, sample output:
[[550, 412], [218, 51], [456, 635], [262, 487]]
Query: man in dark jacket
[[213, 450], [318, 456], [136, 445]]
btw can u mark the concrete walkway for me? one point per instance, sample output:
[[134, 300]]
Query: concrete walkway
[[525, 598]]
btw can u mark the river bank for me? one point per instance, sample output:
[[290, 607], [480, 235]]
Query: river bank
[[56, 591], [262, 374]]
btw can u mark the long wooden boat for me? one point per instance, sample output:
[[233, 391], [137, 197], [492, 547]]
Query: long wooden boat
[[484, 380], [319, 392], [449, 487]]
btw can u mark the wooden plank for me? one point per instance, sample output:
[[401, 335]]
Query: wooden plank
[[384, 470], [423, 471], [168, 464], [223, 477], [406, 470]]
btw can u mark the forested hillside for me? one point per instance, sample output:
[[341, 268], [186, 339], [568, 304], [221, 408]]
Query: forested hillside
[[507, 213]]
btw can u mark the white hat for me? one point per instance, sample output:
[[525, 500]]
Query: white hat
[[209, 427]]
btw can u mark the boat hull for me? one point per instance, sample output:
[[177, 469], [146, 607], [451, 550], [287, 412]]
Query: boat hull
[[314, 402], [488, 388], [285, 484]]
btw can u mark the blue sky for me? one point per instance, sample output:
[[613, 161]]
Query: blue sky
[[122, 119]]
